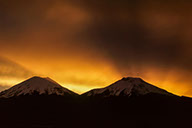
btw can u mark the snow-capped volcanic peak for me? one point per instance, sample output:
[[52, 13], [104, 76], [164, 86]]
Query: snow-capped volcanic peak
[[36, 85], [127, 87]]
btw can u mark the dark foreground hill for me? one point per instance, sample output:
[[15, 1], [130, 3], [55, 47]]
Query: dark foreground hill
[[135, 109]]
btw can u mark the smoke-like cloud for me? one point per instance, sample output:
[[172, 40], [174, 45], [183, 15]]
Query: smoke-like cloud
[[12, 69], [11, 73]]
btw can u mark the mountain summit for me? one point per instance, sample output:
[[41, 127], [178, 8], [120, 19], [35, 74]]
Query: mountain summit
[[37, 85], [127, 87]]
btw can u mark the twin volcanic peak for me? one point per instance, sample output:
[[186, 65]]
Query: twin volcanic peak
[[45, 86], [127, 87], [36, 85]]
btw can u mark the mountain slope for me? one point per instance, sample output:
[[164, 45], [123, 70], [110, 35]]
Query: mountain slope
[[127, 87], [3, 87], [36, 86]]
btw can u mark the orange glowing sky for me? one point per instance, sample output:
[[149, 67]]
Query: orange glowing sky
[[91, 44]]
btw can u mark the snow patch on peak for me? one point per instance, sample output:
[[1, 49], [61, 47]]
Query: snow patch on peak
[[49, 79]]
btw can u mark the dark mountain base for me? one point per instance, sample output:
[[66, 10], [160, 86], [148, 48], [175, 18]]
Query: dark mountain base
[[56, 111]]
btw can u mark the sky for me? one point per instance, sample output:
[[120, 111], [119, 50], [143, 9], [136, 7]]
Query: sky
[[90, 44]]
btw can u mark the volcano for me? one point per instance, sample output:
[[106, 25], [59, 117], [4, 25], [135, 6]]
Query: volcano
[[128, 86], [37, 86]]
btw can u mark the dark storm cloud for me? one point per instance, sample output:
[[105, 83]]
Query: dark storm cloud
[[123, 30], [135, 44], [17, 16], [130, 34], [35, 23]]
